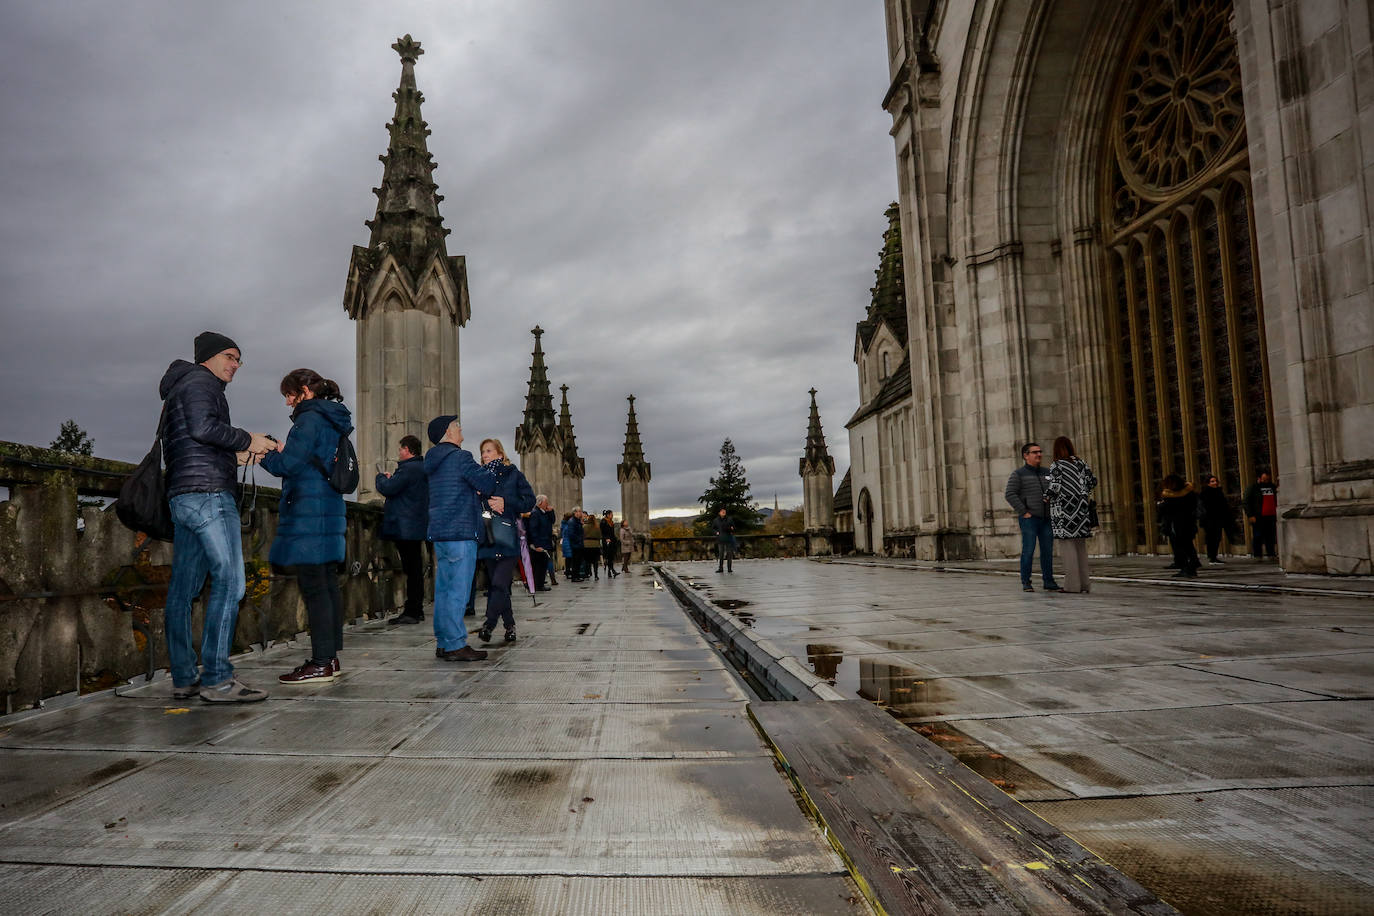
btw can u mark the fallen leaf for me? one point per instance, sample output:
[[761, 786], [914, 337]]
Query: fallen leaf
[[591, 696], [176, 711]]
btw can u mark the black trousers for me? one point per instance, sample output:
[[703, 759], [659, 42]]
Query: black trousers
[[501, 571], [539, 564], [1185, 552], [319, 585], [1265, 533], [413, 566]]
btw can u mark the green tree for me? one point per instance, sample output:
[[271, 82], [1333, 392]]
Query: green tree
[[73, 440], [729, 491]]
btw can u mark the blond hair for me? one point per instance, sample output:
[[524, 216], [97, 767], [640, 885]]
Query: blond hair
[[499, 447]]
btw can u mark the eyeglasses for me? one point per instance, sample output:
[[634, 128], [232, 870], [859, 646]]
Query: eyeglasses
[[236, 360], [1035, 451]]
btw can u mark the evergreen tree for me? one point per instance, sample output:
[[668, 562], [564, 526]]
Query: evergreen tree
[[73, 440], [729, 491]]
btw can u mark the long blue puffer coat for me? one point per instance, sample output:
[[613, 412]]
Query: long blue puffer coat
[[311, 527]]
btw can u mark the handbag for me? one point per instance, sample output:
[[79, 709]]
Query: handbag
[[499, 534], [142, 504]]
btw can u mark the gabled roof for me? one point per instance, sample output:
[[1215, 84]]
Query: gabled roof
[[896, 388], [844, 496]]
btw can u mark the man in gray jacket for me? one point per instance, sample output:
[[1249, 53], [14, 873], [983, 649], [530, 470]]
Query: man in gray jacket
[[1026, 494]]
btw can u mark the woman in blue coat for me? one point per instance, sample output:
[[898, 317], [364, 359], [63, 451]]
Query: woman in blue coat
[[311, 525], [519, 499]]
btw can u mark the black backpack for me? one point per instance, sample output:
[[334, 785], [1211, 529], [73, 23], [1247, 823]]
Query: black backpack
[[343, 474], [142, 504]]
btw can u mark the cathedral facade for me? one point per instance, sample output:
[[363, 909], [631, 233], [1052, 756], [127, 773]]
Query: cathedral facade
[[1143, 224]]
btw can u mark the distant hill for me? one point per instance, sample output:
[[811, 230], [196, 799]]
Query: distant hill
[[664, 520]]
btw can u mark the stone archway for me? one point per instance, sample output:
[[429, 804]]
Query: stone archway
[[1184, 319]]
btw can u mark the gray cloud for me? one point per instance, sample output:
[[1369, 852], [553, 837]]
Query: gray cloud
[[687, 197]]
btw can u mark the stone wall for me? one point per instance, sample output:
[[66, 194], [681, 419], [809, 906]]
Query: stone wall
[[81, 598]]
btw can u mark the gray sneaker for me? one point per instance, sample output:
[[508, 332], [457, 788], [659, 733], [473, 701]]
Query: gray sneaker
[[185, 693], [232, 691]]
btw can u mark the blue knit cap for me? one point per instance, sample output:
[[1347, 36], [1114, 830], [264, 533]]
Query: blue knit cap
[[438, 426]]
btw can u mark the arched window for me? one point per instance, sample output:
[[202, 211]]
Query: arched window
[[1191, 389]]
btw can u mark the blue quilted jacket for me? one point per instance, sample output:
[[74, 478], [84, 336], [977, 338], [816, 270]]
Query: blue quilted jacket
[[311, 527], [455, 480]]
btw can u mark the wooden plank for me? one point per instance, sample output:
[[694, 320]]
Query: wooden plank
[[923, 833]]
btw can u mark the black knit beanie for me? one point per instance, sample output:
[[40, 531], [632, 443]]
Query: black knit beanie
[[211, 343]]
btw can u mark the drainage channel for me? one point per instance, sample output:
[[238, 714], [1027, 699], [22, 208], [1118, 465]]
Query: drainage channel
[[768, 671]]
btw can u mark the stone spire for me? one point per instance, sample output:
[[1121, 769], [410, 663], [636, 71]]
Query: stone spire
[[817, 471], [816, 458], [632, 461], [538, 439], [539, 422], [633, 475], [889, 292], [407, 221], [574, 467], [408, 296]]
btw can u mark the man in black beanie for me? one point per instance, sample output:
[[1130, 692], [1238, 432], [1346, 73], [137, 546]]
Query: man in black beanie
[[202, 449]]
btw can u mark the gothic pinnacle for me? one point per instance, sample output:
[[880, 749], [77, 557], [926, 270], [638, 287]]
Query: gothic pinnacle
[[816, 456], [408, 48]]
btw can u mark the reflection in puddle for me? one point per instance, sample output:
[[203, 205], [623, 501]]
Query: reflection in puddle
[[896, 645], [895, 686], [824, 660]]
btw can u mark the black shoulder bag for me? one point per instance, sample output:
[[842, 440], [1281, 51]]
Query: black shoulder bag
[[142, 504]]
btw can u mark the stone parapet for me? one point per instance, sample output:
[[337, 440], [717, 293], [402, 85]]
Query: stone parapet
[[81, 595]]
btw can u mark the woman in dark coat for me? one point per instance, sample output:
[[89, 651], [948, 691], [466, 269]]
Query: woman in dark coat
[[310, 528], [1068, 489], [519, 496], [610, 544], [1178, 522], [1218, 518]]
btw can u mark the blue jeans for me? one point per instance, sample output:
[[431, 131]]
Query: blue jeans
[[206, 541], [454, 563], [1037, 530]]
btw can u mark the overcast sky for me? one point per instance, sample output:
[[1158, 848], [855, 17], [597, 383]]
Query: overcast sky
[[688, 198]]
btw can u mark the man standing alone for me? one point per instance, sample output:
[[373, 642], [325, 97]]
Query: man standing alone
[[1026, 494], [1262, 509], [405, 520], [724, 528], [200, 446]]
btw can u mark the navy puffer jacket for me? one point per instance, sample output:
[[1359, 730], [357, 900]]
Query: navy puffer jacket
[[455, 480], [518, 494], [539, 528], [406, 514], [198, 444], [311, 527]]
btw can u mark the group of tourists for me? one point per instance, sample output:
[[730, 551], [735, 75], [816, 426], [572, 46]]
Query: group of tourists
[[587, 543], [444, 496], [1056, 504]]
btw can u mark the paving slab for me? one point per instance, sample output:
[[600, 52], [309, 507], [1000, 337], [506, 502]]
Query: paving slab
[[605, 762], [1217, 745]]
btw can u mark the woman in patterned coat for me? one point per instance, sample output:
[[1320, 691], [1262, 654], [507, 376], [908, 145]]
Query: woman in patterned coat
[[1068, 490]]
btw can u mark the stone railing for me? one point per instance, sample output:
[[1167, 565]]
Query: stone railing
[[81, 595]]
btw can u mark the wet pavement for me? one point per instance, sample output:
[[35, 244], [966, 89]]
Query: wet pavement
[[605, 763], [1215, 744]]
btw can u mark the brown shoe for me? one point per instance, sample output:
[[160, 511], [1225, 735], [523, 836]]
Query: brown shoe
[[465, 654], [308, 672]]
